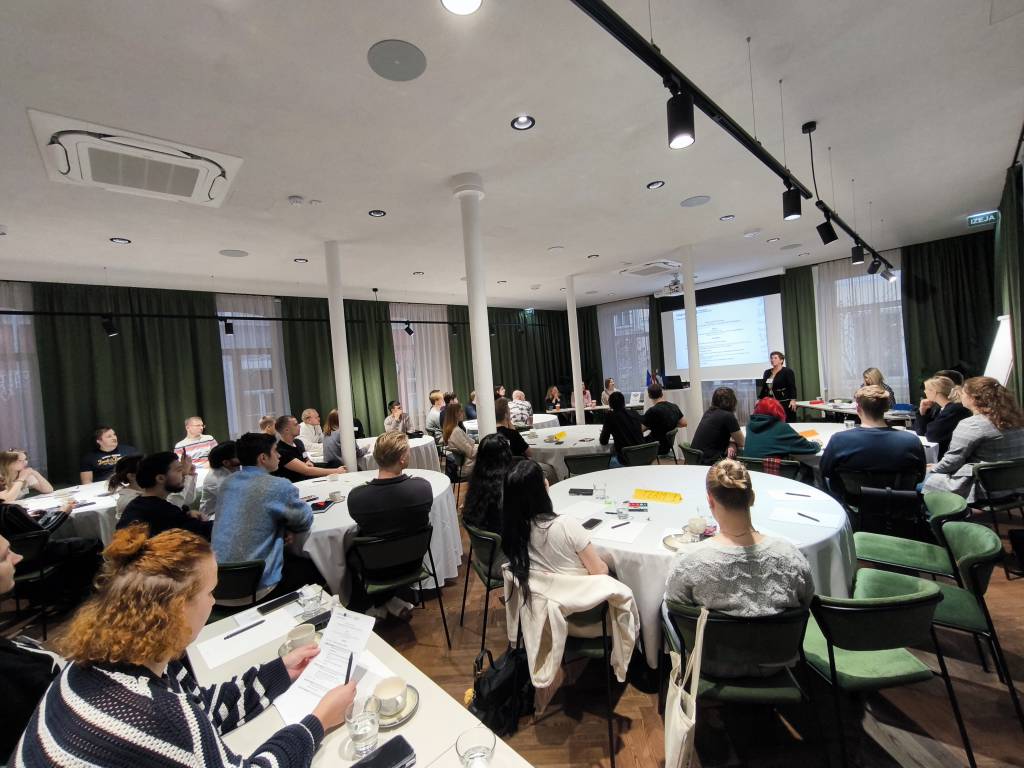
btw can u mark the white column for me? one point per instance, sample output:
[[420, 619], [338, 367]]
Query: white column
[[695, 399], [468, 189], [339, 353], [574, 348]]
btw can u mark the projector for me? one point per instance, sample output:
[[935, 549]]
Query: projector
[[675, 288]]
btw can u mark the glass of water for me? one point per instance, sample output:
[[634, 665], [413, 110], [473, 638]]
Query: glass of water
[[848, 424], [363, 724], [600, 490], [310, 597], [475, 747]]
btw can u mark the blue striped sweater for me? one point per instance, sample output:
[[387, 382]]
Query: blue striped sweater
[[125, 716]]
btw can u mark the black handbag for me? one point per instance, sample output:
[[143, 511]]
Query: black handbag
[[502, 692]]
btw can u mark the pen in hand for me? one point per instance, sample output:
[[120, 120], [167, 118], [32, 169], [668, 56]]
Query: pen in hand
[[348, 672]]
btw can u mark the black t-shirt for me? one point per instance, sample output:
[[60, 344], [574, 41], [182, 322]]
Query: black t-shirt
[[390, 507], [101, 463], [713, 433], [25, 673], [160, 515], [662, 418], [516, 441], [287, 453], [625, 428]]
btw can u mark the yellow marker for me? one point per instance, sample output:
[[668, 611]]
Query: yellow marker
[[662, 497]]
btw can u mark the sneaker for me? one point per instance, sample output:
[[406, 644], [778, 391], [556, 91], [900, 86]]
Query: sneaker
[[379, 612], [399, 608]]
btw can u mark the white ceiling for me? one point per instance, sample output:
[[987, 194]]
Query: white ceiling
[[920, 100]]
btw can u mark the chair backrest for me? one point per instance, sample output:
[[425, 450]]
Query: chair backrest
[[640, 455], [996, 477], [692, 455], [896, 513], [768, 641], [943, 507], [670, 438], [238, 580], [372, 553], [487, 550], [30, 546], [584, 463], [976, 550], [901, 615], [787, 468]]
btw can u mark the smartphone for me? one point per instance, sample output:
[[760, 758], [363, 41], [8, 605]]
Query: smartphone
[[394, 753], [274, 604], [320, 506], [592, 523], [311, 497], [581, 491]]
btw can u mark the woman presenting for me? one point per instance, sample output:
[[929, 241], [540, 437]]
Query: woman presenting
[[780, 382]]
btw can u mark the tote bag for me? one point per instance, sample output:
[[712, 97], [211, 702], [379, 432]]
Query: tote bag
[[681, 702]]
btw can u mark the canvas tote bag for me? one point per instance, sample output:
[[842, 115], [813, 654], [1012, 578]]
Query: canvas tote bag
[[681, 702]]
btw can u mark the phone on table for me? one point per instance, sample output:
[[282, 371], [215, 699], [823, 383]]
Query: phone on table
[[394, 753], [320, 506], [311, 497], [581, 491], [592, 523], [266, 608]]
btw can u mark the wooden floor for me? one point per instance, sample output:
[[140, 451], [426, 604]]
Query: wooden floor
[[904, 727]]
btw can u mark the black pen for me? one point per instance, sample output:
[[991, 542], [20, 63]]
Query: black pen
[[621, 524], [809, 517], [321, 480], [805, 495], [348, 672], [229, 635]]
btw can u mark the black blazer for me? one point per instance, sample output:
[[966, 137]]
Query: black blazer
[[783, 388], [938, 425]]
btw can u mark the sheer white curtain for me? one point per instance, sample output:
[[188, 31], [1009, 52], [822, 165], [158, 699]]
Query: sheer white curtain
[[422, 360], [860, 325], [21, 401], [255, 384], [624, 327]]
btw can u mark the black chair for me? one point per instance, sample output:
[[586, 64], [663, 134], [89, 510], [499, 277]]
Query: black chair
[[640, 455], [1004, 480], [670, 437], [851, 482], [692, 456], [236, 581], [787, 468], [453, 463], [595, 648], [585, 463], [487, 567], [30, 578], [893, 513], [385, 564]]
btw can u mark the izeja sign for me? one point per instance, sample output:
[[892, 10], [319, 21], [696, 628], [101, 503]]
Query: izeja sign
[[983, 219]]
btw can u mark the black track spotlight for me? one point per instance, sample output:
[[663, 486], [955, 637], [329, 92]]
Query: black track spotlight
[[408, 328], [874, 266], [109, 328], [791, 204], [494, 331], [229, 328], [827, 232], [680, 120], [857, 254], [455, 330], [889, 275]]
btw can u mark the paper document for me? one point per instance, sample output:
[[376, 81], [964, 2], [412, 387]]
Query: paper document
[[584, 510], [799, 495], [805, 516], [613, 529], [345, 637], [227, 646]]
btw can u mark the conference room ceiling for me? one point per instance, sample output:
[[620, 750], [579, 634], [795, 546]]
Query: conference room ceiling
[[920, 100]]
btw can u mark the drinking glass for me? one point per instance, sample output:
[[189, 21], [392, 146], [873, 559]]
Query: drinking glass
[[848, 424], [600, 490], [310, 597], [475, 747], [363, 725]]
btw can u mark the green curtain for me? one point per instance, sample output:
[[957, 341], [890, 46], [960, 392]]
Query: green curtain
[[590, 350], [800, 330], [144, 382], [1009, 263], [949, 305], [460, 352], [654, 332], [307, 355]]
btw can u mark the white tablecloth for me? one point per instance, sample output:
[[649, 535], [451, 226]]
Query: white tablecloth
[[644, 563], [850, 410], [540, 421], [578, 440], [96, 520], [422, 453], [332, 531], [825, 430]]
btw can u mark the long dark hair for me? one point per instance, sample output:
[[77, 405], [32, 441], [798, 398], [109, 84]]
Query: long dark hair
[[526, 502], [126, 465], [487, 482]]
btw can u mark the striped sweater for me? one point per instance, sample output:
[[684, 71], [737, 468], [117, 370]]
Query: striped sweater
[[124, 716]]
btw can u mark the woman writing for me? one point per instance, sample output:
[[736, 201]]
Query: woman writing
[[780, 382], [127, 698], [873, 376], [19, 478], [940, 412]]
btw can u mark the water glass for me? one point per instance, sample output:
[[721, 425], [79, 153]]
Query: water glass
[[475, 747], [310, 597], [848, 424], [363, 725], [600, 491]]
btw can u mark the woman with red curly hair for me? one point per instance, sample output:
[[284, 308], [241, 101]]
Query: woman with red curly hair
[[127, 698], [768, 434]]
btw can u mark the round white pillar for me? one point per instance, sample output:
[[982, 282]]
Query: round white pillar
[[574, 348], [339, 353]]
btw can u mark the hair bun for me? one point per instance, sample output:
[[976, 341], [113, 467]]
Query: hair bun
[[731, 474], [127, 544]]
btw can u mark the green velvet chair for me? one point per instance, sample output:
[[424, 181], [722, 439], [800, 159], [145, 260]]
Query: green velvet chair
[[787, 468], [976, 550], [487, 567], [859, 644], [640, 455], [1005, 479], [585, 463], [595, 648], [692, 456]]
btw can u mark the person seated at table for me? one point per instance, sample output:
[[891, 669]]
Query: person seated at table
[[310, 431], [739, 571], [457, 441], [470, 407], [769, 436], [661, 418], [295, 464], [98, 465], [494, 458], [125, 489], [266, 425], [128, 696], [159, 475], [17, 478], [257, 513], [873, 377], [588, 401], [332, 443], [397, 420], [433, 423], [872, 446], [718, 427], [994, 432], [519, 447], [223, 463], [392, 504], [499, 391], [553, 399], [447, 399], [940, 411], [195, 444], [623, 426], [519, 409], [26, 668], [609, 387]]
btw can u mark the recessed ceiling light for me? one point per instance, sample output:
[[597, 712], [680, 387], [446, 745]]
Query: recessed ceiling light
[[594, 256], [296, 200], [316, 202], [656, 184], [301, 261], [562, 289], [611, 293], [552, 248], [727, 217], [591, 293], [523, 122], [693, 202], [801, 255], [377, 213], [461, 7], [502, 282], [752, 233], [234, 253], [417, 274], [772, 240], [535, 287], [121, 240], [790, 246]]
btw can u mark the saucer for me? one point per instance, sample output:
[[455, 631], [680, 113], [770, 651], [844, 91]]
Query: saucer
[[412, 703], [676, 541], [286, 646]]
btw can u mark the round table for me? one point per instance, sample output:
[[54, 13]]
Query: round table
[[422, 453], [95, 520], [540, 421], [329, 538], [638, 557], [823, 431], [578, 440]]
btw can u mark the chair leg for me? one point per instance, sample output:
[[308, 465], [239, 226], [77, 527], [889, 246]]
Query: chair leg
[[981, 655], [465, 588], [1000, 662], [608, 687], [952, 701], [483, 632], [440, 603], [998, 666]]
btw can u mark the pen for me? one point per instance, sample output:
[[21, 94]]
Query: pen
[[348, 672], [805, 495], [809, 517], [321, 480], [229, 635], [621, 524]]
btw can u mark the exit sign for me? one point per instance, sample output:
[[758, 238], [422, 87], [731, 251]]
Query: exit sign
[[983, 219]]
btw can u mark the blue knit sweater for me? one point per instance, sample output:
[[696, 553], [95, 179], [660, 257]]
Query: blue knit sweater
[[124, 716]]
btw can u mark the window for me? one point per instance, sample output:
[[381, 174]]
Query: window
[[21, 411], [624, 327], [253, 356], [422, 360]]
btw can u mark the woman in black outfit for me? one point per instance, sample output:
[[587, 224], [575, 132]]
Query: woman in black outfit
[[939, 413], [780, 382], [623, 426]]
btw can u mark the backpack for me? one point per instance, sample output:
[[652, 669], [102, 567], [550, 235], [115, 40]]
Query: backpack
[[503, 692]]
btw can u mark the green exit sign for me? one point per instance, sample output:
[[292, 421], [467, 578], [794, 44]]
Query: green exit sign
[[983, 219]]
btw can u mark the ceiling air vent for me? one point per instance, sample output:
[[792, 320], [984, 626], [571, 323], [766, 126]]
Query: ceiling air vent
[[77, 152], [652, 269]]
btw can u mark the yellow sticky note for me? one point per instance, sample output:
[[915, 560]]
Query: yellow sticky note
[[809, 433], [559, 435], [662, 497]]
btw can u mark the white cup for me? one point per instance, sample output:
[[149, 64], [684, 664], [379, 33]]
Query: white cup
[[696, 525], [391, 692], [301, 636]]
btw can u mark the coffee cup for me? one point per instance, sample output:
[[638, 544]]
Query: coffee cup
[[337, 496], [301, 636], [696, 525], [391, 692]]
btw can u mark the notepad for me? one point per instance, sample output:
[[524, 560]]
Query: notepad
[[662, 497]]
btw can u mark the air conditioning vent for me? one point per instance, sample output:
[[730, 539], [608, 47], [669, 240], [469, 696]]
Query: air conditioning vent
[[76, 152], [653, 269]]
